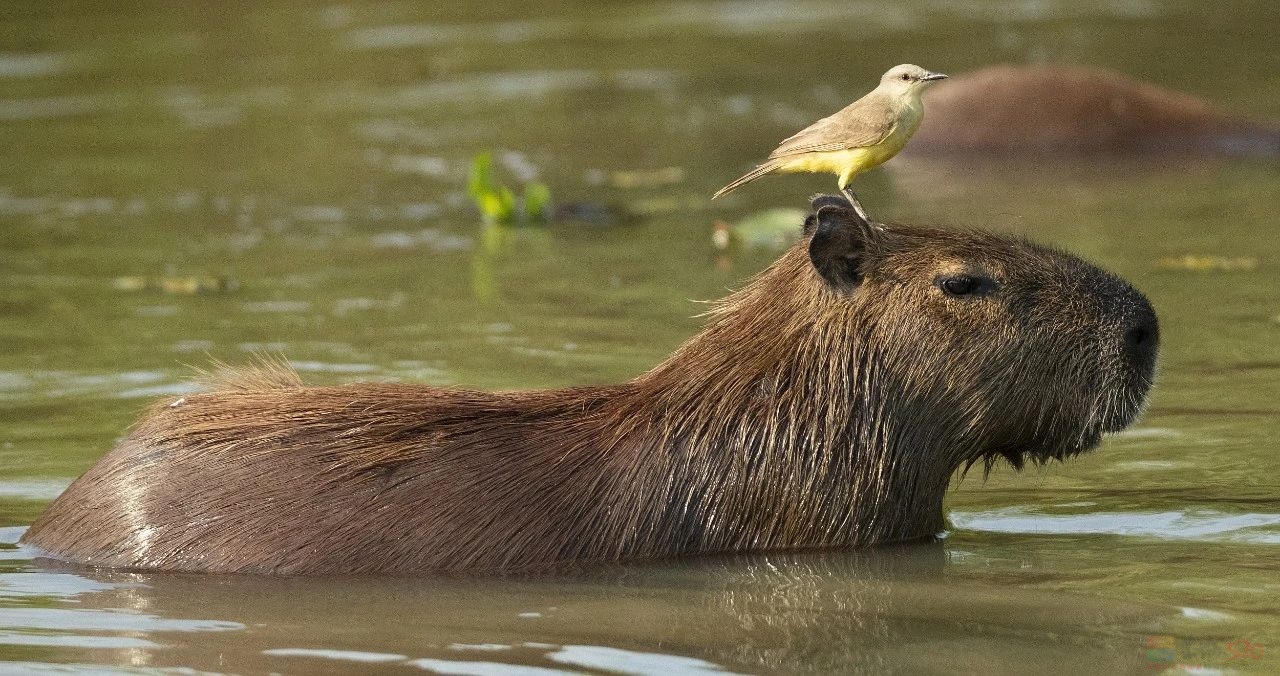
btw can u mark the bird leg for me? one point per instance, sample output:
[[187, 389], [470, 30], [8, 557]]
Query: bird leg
[[853, 201]]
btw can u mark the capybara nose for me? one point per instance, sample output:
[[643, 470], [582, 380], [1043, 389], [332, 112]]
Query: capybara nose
[[1141, 337]]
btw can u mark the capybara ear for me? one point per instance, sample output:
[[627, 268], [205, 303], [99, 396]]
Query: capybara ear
[[820, 200], [817, 202], [839, 245]]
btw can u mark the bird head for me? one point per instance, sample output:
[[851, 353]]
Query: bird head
[[908, 78]]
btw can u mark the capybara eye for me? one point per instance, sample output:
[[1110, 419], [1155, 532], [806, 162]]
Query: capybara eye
[[960, 285]]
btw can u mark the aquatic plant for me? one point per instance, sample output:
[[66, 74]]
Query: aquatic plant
[[498, 203]]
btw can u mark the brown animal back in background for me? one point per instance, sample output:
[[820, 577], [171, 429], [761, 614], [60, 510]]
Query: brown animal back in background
[[1078, 110], [826, 404]]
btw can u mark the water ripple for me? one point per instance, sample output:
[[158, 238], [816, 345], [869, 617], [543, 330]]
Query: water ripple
[[30, 489], [63, 585], [23, 385], [72, 641], [56, 106], [61, 619], [1173, 525], [341, 655], [619, 661], [33, 65]]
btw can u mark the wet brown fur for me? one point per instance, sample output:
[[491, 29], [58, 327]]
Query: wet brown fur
[[1077, 110], [826, 404]]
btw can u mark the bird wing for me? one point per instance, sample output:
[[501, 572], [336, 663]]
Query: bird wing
[[863, 123]]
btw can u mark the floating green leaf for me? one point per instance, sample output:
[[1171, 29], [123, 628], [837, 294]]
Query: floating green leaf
[[480, 181], [497, 206], [497, 203], [537, 202]]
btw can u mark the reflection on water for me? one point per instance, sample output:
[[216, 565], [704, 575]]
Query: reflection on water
[[856, 612], [185, 183]]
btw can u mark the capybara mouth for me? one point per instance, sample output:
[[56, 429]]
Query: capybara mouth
[[1042, 446], [1109, 415], [1127, 401], [1038, 453]]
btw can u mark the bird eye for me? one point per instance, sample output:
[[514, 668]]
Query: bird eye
[[905, 77], [960, 285]]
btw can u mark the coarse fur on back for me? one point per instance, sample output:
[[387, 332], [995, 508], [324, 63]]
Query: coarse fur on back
[[826, 404]]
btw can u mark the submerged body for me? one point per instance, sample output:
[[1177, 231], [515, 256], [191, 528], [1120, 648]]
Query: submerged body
[[862, 136], [826, 404], [1062, 110]]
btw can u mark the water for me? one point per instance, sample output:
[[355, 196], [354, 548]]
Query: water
[[184, 182]]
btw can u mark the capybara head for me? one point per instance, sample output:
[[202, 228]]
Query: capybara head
[[1007, 349]]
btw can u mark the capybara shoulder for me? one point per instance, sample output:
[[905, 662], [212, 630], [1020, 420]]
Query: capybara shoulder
[[825, 404], [1076, 110]]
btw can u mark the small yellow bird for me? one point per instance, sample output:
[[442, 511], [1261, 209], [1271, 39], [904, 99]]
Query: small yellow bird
[[863, 135]]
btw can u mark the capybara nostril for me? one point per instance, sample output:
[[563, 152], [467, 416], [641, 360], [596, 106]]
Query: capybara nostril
[[1137, 336], [1141, 338]]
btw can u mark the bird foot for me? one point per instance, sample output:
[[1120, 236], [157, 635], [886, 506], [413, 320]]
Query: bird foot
[[857, 206]]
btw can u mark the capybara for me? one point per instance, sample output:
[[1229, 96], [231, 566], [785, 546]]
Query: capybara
[[826, 404], [1078, 110]]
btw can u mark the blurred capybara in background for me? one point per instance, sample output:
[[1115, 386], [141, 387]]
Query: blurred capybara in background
[[1076, 110], [826, 404]]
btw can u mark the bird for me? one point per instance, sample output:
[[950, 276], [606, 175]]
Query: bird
[[863, 135]]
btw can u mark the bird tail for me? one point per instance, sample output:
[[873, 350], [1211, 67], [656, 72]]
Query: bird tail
[[749, 177]]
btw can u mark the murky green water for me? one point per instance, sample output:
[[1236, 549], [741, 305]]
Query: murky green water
[[304, 165]]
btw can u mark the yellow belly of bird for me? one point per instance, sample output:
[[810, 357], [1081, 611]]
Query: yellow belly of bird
[[845, 163]]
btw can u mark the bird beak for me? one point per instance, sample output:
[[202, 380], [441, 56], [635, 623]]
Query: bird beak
[[934, 76]]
